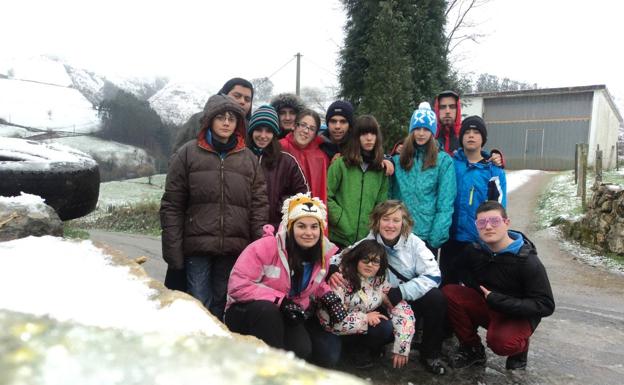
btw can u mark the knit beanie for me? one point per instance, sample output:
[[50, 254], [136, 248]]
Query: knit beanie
[[423, 117], [303, 205], [264, 116], [473, 122], [342, 108]]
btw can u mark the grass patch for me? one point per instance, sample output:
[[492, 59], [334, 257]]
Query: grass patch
[[140, 218], [74, 232]]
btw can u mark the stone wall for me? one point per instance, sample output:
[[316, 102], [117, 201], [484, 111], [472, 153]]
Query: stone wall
[[602, 226]]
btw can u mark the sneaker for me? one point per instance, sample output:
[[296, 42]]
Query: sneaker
[[517, 361], [434, 365], [468, 356]]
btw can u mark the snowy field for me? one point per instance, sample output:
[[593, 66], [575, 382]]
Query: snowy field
[[46, 107]]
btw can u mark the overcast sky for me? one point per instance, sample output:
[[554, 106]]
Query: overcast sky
[[552, 43]]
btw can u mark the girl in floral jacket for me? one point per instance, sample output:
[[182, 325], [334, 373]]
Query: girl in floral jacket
[[364, 268]]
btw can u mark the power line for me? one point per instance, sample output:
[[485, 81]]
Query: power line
[[321, 67]]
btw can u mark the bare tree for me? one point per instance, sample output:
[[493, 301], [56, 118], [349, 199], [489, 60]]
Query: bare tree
[[314, 98], [460, 27]]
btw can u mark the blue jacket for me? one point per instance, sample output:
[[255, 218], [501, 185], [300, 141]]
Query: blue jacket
[[476, 183], [428, 195]]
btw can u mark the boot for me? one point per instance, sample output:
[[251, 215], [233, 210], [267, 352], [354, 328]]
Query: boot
[[517, 361], [434, 365], [468, 356], [362, 358]]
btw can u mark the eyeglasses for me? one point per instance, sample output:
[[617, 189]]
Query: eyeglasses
[[306, 127], [494, 221], [228, 117], [375, 261]]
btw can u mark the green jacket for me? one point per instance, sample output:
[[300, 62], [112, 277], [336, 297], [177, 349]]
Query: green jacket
[[429, 196], [351, 196]]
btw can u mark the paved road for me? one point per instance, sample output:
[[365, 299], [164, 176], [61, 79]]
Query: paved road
[[134, 245], [581, 343]]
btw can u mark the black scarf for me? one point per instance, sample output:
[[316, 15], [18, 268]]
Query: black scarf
[[224, 148], [367, 156]]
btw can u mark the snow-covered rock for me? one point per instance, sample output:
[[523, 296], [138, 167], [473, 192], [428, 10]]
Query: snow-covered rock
[[25, 215], [91, 316], [176, 102], [106, 150]]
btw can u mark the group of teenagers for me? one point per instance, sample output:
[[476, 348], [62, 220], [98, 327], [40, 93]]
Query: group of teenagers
[[316, 242]]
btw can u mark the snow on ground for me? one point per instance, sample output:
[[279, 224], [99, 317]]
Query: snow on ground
[[47, 107], [76, 281], [176, 102], [37, 152], [37, 69], [106, 150], [517, 178], [33, 202], [15, 132]]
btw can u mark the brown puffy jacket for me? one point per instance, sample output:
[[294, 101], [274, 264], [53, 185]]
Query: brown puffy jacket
[[212, 206]]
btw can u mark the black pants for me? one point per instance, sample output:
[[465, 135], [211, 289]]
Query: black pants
[[431, 307], [263, 319], [451, 250]]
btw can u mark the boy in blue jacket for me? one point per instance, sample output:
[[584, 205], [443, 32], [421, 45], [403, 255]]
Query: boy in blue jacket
[[478, 180]]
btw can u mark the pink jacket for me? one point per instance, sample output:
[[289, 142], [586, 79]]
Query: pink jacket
[[261, 272]]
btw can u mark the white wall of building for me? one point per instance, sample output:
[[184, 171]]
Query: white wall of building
[[472, 106], [603, 131]]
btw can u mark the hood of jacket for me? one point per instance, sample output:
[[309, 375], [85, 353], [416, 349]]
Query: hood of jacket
[[219, 104], [456, 126]]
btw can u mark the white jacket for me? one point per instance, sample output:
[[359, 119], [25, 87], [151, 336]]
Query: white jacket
[[412, 259]]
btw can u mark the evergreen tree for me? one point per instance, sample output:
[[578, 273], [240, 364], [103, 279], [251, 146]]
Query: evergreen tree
[[387, 91], [390, 40], [126, 119]]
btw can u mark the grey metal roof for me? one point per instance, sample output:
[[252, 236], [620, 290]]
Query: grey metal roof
[[550, 91]]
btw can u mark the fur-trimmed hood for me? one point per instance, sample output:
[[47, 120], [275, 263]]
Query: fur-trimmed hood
[[287, 100]]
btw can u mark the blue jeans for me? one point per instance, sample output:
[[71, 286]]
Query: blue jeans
[[207, 278]]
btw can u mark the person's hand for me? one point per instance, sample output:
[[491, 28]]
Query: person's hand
[[485, 291], [398, 361], [374, 318], [336, 280], [336, 156], [388, 166], [292, 312], [386, 302], [496, 158]]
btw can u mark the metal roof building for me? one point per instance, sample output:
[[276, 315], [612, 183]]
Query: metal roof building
[[539, 129]]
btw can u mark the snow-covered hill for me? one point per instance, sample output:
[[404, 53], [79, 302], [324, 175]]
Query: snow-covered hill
[[176, 102], [46, 107]]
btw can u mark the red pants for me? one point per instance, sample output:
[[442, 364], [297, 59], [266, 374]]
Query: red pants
[[467, 310]]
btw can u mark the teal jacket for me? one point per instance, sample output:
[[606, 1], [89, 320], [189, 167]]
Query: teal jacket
[[429, 195], [351, 196]]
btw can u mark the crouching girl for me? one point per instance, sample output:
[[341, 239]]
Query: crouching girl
[[368, 324], [277, 278], [414, 275]]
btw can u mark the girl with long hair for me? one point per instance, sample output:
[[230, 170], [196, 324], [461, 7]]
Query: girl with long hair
[[276, 279], [425, 180], [368, 324], [282, 173], [413, 274], [356, 182]]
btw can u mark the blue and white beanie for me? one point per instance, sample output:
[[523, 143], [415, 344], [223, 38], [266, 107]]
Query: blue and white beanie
[[424, 117]]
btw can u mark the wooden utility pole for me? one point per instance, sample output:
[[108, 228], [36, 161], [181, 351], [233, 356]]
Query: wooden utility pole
[[297, 88]]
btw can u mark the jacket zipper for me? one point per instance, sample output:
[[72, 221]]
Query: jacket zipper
[[357, 229], [222, 204]]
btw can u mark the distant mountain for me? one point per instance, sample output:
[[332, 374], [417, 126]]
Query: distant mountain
[[175, 103]]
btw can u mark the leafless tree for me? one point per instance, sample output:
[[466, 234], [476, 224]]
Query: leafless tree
[[460, 27]]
